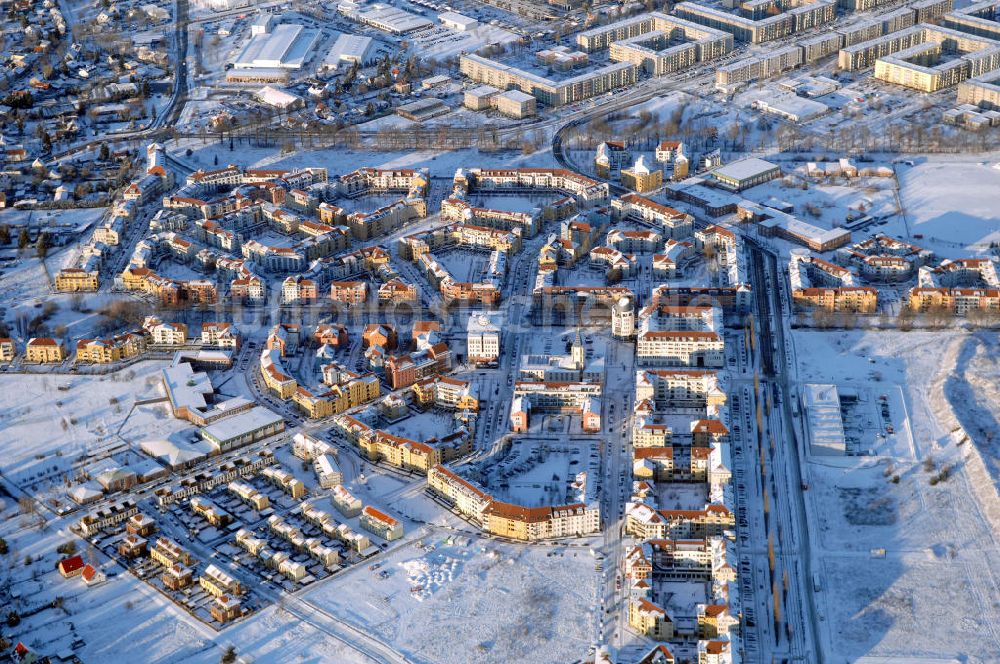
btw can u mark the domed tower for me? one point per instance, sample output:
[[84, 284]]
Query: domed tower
[[623, 318]]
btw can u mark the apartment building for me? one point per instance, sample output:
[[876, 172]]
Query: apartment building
[[556, 397], [847, 299], [405, 370], [647, 523], [297, 289], [165, 334], [76, 280], [957, 301], [132, 546], [115, 349], [552, 92], [447, 392], [667, 388], [672, 223], [397, 291], [44, 350], [691, 348], [381, 524], [650, 620], [465, 496], [535, 523], [8, 349], [635, 242], [220, 335], [761, 26], [482, 339], [350, 293], [527, 180]]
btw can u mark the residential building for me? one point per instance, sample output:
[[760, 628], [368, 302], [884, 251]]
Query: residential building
[[381, 524], [43, 350]]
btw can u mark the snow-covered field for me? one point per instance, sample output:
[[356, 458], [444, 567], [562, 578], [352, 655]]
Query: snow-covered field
[[339, 160], [934, 594], [953, 203], [471, 599], [49, 420]]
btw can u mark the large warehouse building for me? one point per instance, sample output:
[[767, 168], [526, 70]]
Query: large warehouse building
[[276, 46]]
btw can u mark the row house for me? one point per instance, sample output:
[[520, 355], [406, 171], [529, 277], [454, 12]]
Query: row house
[[167, 552], [215, 515], [217, 583], [285, 481], [345, 502], [249, 495], [107, 516]]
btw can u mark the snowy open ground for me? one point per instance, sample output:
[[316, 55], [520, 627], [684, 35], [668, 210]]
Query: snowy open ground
[[954, 203], [339, 160], [49, 420], [478, 601], [934, 594]]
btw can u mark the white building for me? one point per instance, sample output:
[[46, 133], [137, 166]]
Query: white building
[[350, 49], [327, 471], [483, 338], [458, 22], [278, 98], [687, 348], [276, 46]]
